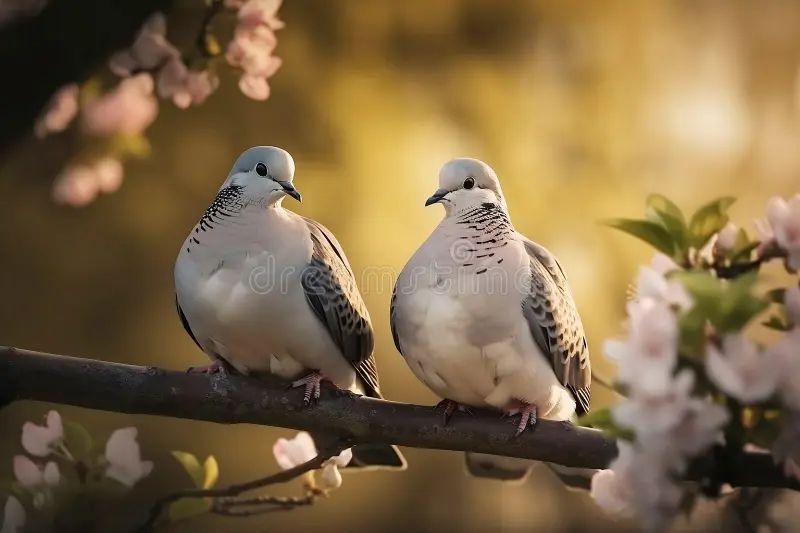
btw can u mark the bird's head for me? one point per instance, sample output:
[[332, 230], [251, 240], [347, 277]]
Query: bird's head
[[465, 183], [266, 173]]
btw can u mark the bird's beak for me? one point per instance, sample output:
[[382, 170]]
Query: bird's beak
[[437, 197], [289, 189]]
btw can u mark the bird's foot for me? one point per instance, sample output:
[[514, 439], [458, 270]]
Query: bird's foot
[[449, 407], [217, 367], [313, 386], [528, 416]]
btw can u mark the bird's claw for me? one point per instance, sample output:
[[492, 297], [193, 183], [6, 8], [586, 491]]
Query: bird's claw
[[448, 407], [312, 384], [528, 417], [216, 367]]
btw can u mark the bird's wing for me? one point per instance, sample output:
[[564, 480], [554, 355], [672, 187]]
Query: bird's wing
[[185, 322], [555, 324], [332, 293], [392, 309]]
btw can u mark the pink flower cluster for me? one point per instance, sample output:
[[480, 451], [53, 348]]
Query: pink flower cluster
[[60, 111], [253, 44], [127, 109], [152, 52], [77, 185]]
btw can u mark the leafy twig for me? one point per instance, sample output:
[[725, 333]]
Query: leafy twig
[[234, 490]]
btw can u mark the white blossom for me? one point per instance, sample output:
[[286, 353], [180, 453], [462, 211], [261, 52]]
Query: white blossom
[[726, 238], [785, 355], [647, 357], [41, 441], [38, 481], [784, 219], [124, 457], [652, 284], [791, 301], [14, 516], [740, 370], [612, 492], [290, 453]]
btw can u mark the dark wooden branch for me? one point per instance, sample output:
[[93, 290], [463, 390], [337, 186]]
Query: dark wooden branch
[[227, 399]]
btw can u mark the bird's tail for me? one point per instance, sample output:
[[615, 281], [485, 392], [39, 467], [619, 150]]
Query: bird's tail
[[377, 456], [512, 469]]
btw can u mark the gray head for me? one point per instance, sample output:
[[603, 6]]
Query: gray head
[[265, 172], [464, 183]]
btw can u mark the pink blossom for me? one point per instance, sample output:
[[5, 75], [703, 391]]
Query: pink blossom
[[254, 13], [612, 492], [60, 111], [125, 459], [78, 185], [784, 219], [41, 441], [150, 49], [648, 356], [75, 186], [254, 87], [30, 476], [127, 109], [252, 46], [108, 174], [185, 87], [296, 451], [14, 516], [741, 370]]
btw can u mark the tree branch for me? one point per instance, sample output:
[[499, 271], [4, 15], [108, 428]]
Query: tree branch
[[28, 375]]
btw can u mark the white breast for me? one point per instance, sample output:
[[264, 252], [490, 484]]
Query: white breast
[[463, 334]]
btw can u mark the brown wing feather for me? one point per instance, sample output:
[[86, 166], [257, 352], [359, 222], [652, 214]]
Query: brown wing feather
[[555, 324], [332, 293]]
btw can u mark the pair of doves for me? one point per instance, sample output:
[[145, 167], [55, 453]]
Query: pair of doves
[[482, 315]]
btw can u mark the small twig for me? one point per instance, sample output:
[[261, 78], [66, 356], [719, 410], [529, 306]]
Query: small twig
[[205, 29], [771, 251], [262, 504], [234, 490]]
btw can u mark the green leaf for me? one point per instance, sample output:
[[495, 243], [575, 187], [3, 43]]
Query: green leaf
[[78, 440], [188, 507], [776, 295], [127, 145], [665, 213], [742, 247], [776, 323], [192, 467], [662, 204], [709, 219], [599, 418], [210, 472], [648, 231], [739, 305]]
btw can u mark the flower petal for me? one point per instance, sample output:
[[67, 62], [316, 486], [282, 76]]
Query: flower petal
[[13, 516], [26, 472]]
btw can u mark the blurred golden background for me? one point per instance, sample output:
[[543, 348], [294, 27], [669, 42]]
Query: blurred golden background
[[582, 108]]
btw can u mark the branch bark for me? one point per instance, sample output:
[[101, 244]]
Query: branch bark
[[28, 375]]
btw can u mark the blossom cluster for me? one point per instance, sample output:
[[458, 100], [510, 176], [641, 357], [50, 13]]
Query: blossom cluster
[[112, 122], [300, 449], [53, 466], [689, 373]]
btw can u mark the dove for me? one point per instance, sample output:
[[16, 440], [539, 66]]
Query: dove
[[484, 317], [261, 289]]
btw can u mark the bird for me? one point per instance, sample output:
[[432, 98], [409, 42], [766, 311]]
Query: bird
[[261, 289], [484, 316]]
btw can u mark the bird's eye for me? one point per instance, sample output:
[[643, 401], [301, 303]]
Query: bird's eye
[[469, 183], [261, 169]]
